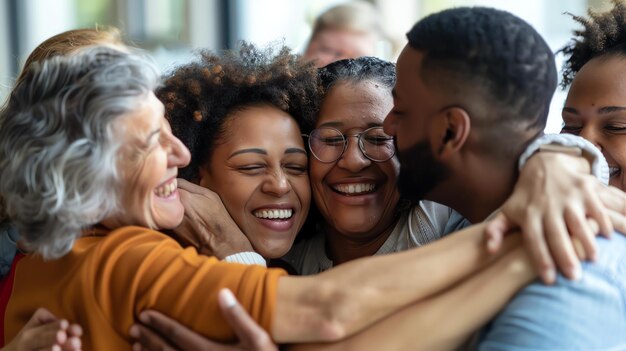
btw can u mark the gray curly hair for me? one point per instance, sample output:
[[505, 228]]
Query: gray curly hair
[[58, 152]]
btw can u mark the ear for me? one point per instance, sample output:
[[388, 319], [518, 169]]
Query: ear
[[454, 129]]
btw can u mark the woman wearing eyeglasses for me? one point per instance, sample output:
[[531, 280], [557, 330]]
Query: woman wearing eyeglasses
[[353, 172]]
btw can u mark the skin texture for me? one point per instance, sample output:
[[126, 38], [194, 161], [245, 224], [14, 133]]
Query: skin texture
[[151, 156], [261, 164], [331, 45], [351, 108], [595, 109]]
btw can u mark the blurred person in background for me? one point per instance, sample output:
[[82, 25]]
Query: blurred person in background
[[348, 30]]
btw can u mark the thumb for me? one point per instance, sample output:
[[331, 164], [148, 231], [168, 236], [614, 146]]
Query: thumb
[[495, 231]]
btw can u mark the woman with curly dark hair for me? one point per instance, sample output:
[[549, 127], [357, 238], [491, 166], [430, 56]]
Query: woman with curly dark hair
[[240, 114], [596, 103]]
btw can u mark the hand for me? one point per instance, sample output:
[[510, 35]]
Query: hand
[[45, 332], [164, 334], [552, 200], [207, 225]]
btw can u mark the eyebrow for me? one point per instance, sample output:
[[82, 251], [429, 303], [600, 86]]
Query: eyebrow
[[245, 151], [570, 110], [155, 132], [601, 110], [340, 124], [609, 109], [295, 150]]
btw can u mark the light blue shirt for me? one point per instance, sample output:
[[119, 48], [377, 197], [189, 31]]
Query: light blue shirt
[[8, 247], [589, 314]]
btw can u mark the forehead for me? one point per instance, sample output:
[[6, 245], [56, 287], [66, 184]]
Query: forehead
[[261, 124], [356, 104], [601, 81]]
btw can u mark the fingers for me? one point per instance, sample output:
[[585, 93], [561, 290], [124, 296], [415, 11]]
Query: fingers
[[536, 245], [495, 231], [75, 330], [619, 221], [178, 335], [596, 210], [247, 330], [192, 188], [561, 247], [146, 339], [580, 230], [73, 343], [45, 336], [40, 317]]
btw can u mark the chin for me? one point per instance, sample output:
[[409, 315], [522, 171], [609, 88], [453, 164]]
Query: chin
[[171, 220], [274, 251]]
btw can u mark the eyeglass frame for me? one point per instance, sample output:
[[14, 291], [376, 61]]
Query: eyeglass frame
[[345, 137]]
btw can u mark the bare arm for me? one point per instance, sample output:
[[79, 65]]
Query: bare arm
[[446, 320], [348, 298]]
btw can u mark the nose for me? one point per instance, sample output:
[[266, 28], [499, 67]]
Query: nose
[[389, 124], [588, 132], [178, 155], [277, 184], [353, 159]]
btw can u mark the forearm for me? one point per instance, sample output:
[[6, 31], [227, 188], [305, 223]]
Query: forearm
[[348, 298], [462, 309]]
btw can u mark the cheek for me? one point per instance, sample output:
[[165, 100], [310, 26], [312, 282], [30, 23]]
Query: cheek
[[302, 188], [235, 191]]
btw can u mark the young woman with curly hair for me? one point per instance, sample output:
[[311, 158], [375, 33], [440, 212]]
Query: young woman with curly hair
[[596, 103], [240, 112]]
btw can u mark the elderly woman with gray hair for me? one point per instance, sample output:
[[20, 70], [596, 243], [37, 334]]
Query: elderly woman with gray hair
[[88, 164]]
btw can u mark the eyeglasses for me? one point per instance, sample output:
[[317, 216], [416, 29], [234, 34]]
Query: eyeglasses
[[328, 144]]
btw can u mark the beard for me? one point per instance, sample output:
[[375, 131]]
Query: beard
[[420, 172]]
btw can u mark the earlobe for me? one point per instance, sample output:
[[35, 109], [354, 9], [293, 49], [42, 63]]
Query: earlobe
[[456, 128]]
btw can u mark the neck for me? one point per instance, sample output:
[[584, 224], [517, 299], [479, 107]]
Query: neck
[[480, 188], [342, 248]]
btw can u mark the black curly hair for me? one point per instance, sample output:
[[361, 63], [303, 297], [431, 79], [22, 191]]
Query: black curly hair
[[603, 34], [200, 96], [493, 62]]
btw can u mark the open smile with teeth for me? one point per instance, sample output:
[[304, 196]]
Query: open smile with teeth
[[614, 170], [167, 189], [273, 213], [355, 189]]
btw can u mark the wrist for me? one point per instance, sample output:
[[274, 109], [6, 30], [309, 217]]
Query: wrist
[[568, 144]]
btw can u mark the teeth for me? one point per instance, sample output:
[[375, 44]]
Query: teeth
[[166, 190], [273, 214], [355, 188]]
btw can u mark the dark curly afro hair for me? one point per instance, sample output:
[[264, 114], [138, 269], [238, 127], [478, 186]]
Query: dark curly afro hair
[[603, 33], [200, 96]]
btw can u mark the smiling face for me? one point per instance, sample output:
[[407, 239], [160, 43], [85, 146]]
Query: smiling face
[[149, 162], [595, 109], [356, 196], [259, 169]]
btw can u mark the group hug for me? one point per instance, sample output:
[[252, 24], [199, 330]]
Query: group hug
[[248, 200]]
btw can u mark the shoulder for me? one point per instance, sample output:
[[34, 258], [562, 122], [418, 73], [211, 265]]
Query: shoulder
[[588, 314]]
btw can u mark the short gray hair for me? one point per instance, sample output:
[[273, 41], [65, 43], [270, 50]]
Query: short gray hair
[[58, 154]]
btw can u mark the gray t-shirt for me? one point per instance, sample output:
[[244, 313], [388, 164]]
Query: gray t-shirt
[[418, 226]]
